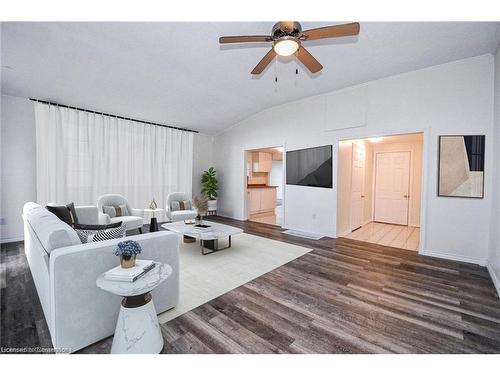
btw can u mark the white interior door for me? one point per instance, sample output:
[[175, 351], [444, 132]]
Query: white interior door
[[357, 186], [392, 181]]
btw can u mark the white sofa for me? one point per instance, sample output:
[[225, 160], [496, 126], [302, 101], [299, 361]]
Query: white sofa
[[64, 270], [179, 215], [133, 221]]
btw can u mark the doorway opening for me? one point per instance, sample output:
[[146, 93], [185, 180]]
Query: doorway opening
[[264, 185], [380, 187]]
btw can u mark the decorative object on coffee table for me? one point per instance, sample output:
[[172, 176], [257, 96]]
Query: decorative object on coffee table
[[153, 224], [127, 251], [201, 204], [137, 329], [210, 186]]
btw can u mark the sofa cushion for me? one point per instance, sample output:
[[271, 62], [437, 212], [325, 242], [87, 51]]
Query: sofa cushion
[[97, 226], [65, 213], [93, 235], [72, 211], [62, 212], [51, 232]]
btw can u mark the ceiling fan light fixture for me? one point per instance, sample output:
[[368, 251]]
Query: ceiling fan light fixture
[[286, 46]]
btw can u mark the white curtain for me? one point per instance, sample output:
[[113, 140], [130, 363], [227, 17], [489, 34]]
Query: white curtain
[[81, 155]]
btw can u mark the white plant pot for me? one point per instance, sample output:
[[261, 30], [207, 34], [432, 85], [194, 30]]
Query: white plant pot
[[212, 205]]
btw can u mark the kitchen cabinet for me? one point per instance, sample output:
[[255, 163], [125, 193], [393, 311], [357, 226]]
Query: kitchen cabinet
[[261, 199], [262, 161]]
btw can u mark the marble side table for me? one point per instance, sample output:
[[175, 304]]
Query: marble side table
[[137, 330]]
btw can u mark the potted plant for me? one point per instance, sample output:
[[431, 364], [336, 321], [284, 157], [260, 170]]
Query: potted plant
[[210, 187], [127, 251]]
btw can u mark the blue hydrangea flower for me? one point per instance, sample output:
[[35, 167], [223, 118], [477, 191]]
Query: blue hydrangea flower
[[128, 248]]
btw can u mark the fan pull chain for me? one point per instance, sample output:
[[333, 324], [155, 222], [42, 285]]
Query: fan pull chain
[[295, 81], [275, 75]]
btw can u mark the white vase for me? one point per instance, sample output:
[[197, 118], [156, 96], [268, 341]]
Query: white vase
[[212, 205]]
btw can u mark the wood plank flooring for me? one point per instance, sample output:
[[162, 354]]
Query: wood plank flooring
[[345, 296], [400, 236]]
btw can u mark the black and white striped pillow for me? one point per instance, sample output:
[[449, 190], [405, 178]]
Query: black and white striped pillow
[[92, 235]]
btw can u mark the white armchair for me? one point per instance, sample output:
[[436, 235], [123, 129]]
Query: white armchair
[[133, 221], [174, 214]]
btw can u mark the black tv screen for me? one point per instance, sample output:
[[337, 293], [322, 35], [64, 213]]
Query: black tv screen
[[310, 167]]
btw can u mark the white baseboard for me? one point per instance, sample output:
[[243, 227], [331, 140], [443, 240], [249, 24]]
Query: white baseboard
[[459, 258], [494, 277], [11, 239]]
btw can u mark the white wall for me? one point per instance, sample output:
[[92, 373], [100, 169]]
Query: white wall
[[203, 159], [18, 164], [453, 98], [494, 256]]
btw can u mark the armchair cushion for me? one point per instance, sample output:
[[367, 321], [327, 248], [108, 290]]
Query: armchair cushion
[[180, 205], [116, 211], [183, 215]]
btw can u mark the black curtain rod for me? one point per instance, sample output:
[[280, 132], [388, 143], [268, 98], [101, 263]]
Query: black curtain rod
[[107, 114]]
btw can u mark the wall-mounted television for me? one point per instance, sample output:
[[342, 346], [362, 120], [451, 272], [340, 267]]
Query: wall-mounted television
[[310, 167]]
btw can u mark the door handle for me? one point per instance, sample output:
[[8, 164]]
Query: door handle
[[362, 196], [406, 196]]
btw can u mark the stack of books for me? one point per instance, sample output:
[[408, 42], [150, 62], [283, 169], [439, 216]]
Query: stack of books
[[203, 228], [130, 274]]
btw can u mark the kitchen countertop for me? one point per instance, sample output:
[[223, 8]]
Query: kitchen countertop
[[261, 187]]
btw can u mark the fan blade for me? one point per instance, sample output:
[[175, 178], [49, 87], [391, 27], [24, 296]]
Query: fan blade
[[244, 39], [266, 60], [332, 31], [308, 60]]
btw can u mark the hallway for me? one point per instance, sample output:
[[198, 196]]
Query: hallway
[[400, 236]]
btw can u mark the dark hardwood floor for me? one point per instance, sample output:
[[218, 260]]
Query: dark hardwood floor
[[343, 297]]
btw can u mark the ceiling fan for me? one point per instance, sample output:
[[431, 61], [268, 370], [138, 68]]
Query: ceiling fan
[[287, 38]]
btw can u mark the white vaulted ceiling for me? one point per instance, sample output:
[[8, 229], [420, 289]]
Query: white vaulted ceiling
[[176, 73]]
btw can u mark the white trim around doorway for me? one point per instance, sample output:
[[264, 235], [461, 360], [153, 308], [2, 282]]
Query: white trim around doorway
[[425, 173]]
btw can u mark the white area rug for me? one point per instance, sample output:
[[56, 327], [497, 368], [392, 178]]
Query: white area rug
[[205, 277]]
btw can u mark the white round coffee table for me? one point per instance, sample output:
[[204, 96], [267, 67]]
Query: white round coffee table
[[137, 329]]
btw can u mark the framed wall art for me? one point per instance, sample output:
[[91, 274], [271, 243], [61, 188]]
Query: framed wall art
[[461, 166]]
